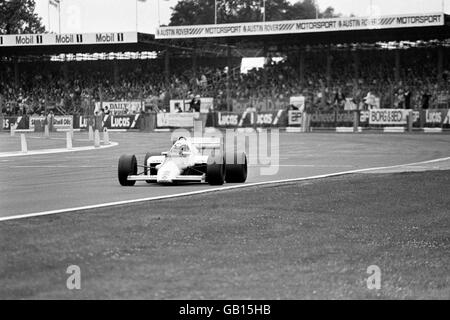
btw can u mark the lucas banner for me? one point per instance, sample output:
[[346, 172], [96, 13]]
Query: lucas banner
[[250, 119], [301, 26], [121, 121], [21, 121], [437, 117]]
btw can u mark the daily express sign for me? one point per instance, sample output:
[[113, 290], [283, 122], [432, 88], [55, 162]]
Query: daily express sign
[[46, 39], [300, 26]]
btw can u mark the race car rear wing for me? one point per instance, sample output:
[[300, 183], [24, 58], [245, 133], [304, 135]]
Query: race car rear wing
[[206, 142]]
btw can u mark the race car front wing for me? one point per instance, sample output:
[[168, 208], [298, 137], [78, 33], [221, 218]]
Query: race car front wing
[[153, 178]]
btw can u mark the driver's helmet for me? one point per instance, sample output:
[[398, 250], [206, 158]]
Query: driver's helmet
[[179, 147]]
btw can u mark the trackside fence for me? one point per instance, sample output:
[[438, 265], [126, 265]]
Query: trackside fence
[[395, 120]]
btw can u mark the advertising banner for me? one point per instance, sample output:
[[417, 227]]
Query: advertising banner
[[301, 26], [295, 117], [330, 119], [436, 117], [261, 104], [121, 121], [178, 105], [250, 119], [120, 107], [82, 122], [175, 120], [63, 122], [22, 122], [391, 117], [59, 122], [49, 39], [350, 105], [36, 121], [298, 102]]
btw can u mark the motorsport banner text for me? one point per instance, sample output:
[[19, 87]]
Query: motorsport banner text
[[301, 26]]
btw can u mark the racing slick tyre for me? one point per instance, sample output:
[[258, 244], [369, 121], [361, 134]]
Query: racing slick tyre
[[127, 166], [215, 170], [150, 170], [237, 171]]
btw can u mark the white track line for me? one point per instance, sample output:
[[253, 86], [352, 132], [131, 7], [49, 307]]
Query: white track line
[[240, 186], [52, 151]]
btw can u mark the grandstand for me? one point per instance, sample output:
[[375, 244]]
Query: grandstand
[[388, 62]]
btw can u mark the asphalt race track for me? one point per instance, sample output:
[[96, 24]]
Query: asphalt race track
[[31, 184]]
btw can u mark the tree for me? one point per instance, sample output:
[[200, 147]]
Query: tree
[[303, 10], [194, 12], [329, 13], [18, 16]]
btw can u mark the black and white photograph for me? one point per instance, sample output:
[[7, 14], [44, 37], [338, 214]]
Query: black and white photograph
[[225, 155]]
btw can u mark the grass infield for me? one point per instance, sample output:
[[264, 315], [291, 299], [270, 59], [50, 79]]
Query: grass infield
[[306, 240]]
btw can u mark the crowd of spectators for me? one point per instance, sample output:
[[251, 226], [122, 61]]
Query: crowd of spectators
[[371, 81]]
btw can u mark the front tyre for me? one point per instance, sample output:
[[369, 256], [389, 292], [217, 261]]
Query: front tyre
[[127, 166]]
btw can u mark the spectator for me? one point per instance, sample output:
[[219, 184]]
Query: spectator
[[195, 104]]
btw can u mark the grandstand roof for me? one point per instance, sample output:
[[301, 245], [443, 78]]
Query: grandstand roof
[[374, 35], [430, 26], [51, 43], [211, 38]]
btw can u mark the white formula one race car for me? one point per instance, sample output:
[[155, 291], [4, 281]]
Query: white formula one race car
[[188, 160]]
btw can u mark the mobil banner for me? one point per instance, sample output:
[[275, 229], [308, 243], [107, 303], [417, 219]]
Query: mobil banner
[[391, 116], [180, 105], [175, 120], [436, 117], [119, 107], [121, 121]]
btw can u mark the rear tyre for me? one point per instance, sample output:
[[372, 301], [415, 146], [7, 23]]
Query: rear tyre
[[236, 172], [215, 169], [127, 166], [149, 170]]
